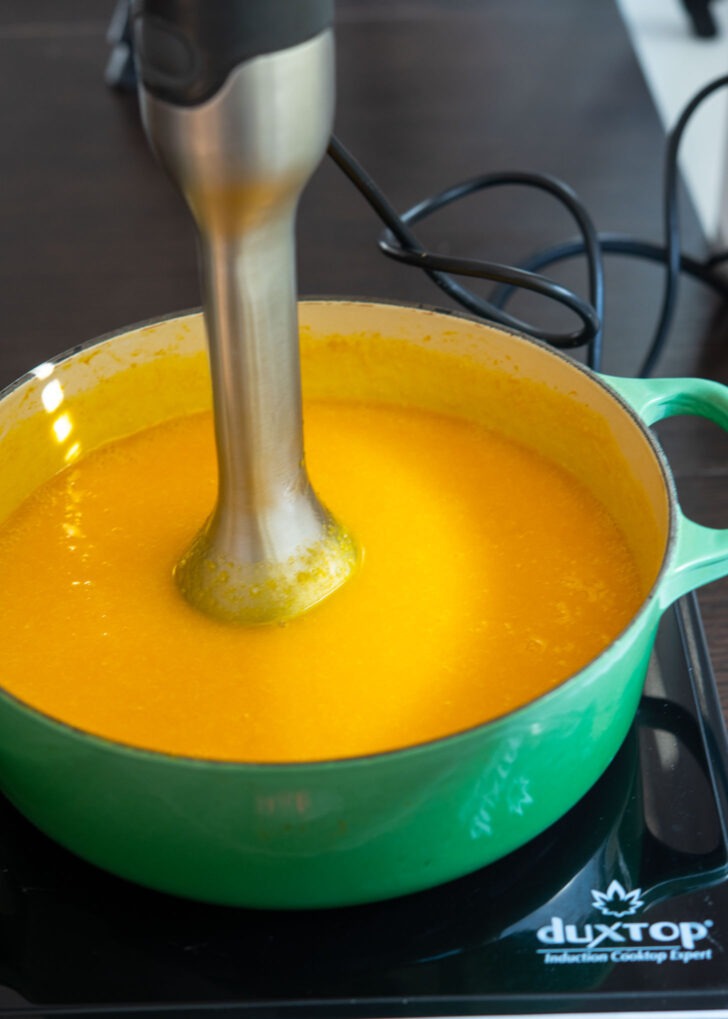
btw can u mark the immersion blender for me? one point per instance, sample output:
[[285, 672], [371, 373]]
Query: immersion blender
[[237, 100]]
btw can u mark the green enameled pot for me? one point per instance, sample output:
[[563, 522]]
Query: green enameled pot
[[357, 830]]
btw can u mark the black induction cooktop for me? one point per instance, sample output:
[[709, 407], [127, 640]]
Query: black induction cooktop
[[622, 906]]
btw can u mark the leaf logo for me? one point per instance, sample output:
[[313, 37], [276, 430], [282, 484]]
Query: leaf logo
[[617, 901]]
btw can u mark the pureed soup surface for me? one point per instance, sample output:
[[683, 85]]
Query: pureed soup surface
[[489, 575]]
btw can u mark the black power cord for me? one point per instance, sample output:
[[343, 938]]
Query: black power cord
[[399, 242], [671, 253]]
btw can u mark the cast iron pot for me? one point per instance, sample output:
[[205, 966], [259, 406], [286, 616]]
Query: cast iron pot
[[362, 829]]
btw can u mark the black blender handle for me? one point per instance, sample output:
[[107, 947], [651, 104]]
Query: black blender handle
[[185, 49]]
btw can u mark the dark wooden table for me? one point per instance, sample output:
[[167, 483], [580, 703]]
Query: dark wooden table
[[429, 92]]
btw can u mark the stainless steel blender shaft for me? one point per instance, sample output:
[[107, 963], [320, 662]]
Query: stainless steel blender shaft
[[241, 158]]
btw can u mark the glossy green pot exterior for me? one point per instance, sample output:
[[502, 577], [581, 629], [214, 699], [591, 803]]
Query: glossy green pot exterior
[[358, 830]]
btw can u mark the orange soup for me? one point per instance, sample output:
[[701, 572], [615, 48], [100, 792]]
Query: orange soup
[[489, 575]]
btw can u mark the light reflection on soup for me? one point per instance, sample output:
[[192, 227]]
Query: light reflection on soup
[[489, 575]]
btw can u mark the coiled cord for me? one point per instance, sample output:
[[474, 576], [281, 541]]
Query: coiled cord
[[400, 242]]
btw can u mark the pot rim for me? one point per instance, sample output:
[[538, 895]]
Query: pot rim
[[649, 601]]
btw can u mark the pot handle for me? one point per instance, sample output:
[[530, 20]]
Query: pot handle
[[701, 553]]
